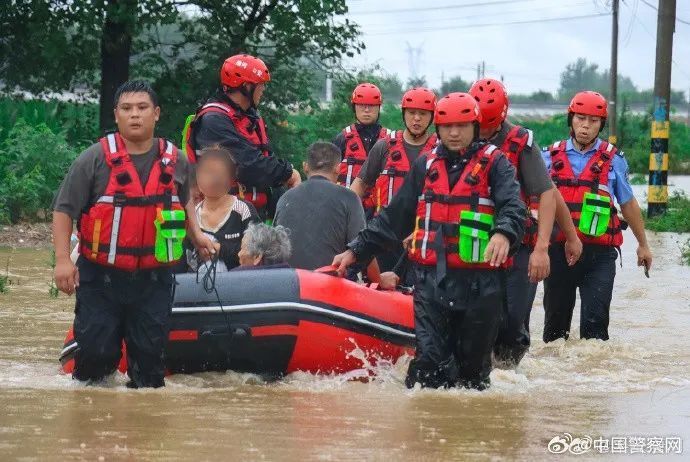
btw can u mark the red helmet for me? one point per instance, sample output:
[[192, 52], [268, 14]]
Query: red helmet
[[419, 98], [455, 108], [239, 69], [589, 103], [493, 102], [367, 93]]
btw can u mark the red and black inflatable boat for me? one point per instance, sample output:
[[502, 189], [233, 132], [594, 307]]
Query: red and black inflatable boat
[[275, 321]]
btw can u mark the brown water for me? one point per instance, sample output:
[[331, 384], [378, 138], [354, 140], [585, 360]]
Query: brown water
[[637, 384]]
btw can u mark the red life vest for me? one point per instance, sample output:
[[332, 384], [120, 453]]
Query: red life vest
[[439, 207], [118, 230], [256, 137], [517, 139], [594, 178], [354, 155], [396, 168]]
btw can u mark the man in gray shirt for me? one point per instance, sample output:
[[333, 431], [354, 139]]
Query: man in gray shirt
[[322, 216]]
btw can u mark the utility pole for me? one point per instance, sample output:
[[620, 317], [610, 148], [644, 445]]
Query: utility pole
[[658, 159], [483, 69], [613, 103], [479, 71]]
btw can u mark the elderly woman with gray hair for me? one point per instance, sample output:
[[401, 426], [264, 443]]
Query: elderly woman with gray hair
[[264, 246]]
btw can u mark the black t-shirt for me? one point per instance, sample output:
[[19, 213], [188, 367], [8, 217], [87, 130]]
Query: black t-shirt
[[228, 233]]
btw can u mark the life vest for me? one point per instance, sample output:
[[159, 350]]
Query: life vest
[[396, 168], [243, 124], [120, 229], [592, 180], [439, 208], [517, 139], [354, 156]]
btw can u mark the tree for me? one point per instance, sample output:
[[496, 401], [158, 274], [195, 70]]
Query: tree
[[414, 82], [106, 37], [582, 75], [455, 84]]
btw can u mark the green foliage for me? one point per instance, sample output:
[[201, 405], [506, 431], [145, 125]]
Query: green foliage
[[33, 161], [5, 281], [53, 291], [77, 121], [638, 179], [685, 252], [454, 84], [677, 217]]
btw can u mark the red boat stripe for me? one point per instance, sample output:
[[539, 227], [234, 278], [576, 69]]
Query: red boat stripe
[[183, 335], [265, 331]]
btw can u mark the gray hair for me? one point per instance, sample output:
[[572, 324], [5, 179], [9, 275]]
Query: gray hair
[[273, 244]]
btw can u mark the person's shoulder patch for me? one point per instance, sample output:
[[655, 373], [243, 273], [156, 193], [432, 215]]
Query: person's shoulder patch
[[620, 153]]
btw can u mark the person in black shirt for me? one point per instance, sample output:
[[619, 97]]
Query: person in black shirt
[[221, 216]]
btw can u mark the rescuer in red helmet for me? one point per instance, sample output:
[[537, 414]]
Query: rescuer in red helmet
[[356, 140], [391, 158], [230, 119], [531, 262], [590, 174], [463, 204]]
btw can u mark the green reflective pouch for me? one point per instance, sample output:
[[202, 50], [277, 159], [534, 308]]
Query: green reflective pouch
[[595, 214], [474, 235], [170, 232], [185, 131]]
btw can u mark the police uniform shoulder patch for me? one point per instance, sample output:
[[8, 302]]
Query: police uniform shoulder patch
[[620, 153]]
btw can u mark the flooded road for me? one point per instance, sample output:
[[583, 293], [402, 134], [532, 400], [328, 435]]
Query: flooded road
[[635, 385]]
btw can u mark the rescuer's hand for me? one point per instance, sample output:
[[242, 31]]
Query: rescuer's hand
[[497, 250], [407, 242], [344, 260], [66, 276], [644, 256], [573, 250], [389, 281], [539, 264], [294, 179]]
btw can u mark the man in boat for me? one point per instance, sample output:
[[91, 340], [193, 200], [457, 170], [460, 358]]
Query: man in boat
[[356, 140], [590, 174], [322, 216], [128, 193], [463, 203], [230, 119], [531, 262], [390, 158]]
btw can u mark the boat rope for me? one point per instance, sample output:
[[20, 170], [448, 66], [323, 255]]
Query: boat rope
[[208, 282]]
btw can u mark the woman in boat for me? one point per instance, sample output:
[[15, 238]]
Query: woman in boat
[[264, 246]]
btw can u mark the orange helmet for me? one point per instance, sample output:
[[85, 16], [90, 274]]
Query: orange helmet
[[239, 69], [457, 108], [493, 102], [589, 103], [367, 93], [419, 98]]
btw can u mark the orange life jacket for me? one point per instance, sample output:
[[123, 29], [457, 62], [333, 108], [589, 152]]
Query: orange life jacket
[[396, 168], [517, 139], [119, 230], [257, 137], [439, 208], [594, 179]]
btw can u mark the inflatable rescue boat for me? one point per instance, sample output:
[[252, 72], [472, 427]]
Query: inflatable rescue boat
[[276, 321]]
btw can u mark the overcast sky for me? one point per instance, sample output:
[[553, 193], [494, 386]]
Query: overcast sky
[[530, 56]]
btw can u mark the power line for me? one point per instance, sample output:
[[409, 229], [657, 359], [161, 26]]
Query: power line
[[680, 69], [483, 15], [437, 8], [657, 9], [473, 26]]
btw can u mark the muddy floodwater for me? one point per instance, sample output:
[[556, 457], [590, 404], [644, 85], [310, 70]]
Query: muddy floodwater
[[630, 396]]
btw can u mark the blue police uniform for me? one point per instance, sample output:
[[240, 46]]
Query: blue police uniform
[[594, 273]]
